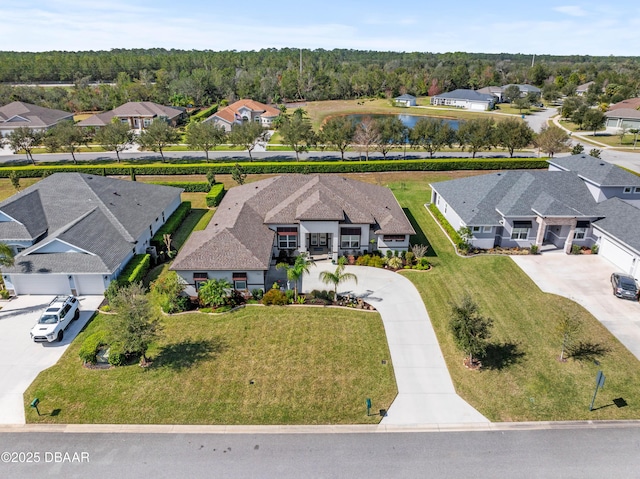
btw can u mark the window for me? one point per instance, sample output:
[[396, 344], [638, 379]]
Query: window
[[199, 278], [288, 237], [581, 229], [388, 238], [146, 122], [637, 189], [487, 229], [240, 281], [627, 190], [475, 229], [520, 230], [350, 237]]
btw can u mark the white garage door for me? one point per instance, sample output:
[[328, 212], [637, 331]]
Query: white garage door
[[618, 256], [89, 283], [41, 284]]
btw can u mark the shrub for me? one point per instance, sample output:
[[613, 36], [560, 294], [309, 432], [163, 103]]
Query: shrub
[[423, 264], [91, 345], [453, 234], [376, 262], [409, 257], [395, 263], [257, 294], [215, 195], [106, 308], [187, 186], [274, 297], [136, 269], [290, 295], [172, 224], [389, 254], [112, 290], [4, 294], [363, 260], [575, 249], [117, 356], [594, 249], [534, 249]]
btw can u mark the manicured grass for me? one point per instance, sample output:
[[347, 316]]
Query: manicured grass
[[204, 221], [187, 226], [308, 365], [7, 189], [523, 379]]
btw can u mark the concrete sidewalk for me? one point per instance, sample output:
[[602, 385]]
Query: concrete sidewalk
[[21, 360], [425, 391]]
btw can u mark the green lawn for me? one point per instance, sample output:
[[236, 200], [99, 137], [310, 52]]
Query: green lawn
[[308, 365], [523, 379]]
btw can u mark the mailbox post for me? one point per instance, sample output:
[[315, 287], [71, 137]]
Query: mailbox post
[[34, 404], [368, 407]]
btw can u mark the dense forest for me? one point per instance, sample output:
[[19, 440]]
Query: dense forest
[[105, 79]]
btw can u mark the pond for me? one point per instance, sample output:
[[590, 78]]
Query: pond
[[407, 120]]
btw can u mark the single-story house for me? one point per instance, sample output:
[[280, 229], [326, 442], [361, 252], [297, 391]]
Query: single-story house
[[258, 222], [584, 88], [242, 111], [580, 200], [405, 100], [525, 89], [18, 113], [623, 118], [137, 114], [632, 103], [492, 90], [462, 98], [73, 233]]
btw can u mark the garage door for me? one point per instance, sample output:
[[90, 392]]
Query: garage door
[[89, 283], [41, 284], [618, 256]]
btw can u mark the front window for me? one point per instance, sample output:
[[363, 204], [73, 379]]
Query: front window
[[199, 279], [146, 122], [487, 229], [627, 190], [475, 229], [388, 238], [240, 281], [580, 233], [520, 230], [350, 238], [288, 237]]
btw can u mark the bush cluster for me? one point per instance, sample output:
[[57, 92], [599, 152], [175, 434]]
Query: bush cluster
[[453, 234], [91, 345], [275, 297], [215, 195], [172, 224], [188, 187], [135, 270]]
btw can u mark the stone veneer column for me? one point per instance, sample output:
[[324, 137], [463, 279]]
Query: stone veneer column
[[542, 226]]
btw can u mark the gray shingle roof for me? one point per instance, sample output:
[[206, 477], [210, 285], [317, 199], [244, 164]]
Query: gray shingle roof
[[482, 200], [596, 170], [405, 96], [620, 220], [470, 95], [138, 109], [34, 116], [624, 113], [98, 214], [238, 236]]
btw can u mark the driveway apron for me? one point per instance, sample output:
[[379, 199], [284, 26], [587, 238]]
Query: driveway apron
[[426, 394]]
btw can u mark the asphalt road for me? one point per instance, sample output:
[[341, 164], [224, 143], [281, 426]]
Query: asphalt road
[[559, 453]]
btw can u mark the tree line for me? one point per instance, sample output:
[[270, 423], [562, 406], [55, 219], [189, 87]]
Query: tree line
[[199, 78]]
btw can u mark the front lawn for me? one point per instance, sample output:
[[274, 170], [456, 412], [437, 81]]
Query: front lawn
[[308, 366], [522, 379]]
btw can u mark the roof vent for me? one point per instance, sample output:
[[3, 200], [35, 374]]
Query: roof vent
[[601, 164]]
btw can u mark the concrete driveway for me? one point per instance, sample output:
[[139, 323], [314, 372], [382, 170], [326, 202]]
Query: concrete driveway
[[425, 391], [21, 360], [585, 280]]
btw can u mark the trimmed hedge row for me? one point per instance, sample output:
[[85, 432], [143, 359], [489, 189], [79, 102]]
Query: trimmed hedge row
[[172, 224], [188, 187], [288, 166], [215, 195], [135, 270], [453, 234]]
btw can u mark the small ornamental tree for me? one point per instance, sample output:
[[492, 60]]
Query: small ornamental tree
[[470, 330], [567, 327], [238, 174]]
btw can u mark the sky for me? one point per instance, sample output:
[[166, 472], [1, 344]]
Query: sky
[[497, 26]]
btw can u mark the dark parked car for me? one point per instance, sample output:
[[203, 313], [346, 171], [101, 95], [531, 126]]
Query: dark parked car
[[624, 286]]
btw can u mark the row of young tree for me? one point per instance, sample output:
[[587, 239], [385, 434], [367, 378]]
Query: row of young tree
[[104, 80]]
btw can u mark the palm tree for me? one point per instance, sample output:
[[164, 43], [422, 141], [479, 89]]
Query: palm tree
[[296, 271], [6, 255], [337, 277]]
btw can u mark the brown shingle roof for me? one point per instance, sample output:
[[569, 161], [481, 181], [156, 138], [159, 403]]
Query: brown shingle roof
[[19, 113], [228, 113], [136, 109], [633, 103], [623, 113]]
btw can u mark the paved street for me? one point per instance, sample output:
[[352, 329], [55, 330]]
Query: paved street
[[21, 360], [426, 394], [566, 451]]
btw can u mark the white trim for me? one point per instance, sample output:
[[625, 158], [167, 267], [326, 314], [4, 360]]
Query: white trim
[[58, 240]]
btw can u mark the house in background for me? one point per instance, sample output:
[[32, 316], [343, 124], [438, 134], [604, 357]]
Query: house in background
[[492, 90], [18, 114], [137, 114], [580, 200], [73, 233], [631, 103], [405, 100], [469, 99], [524, 88], [287, 215], [584, 88], [243, 111], [619, 118]]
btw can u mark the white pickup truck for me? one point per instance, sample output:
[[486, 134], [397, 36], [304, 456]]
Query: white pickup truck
[[55, 319]]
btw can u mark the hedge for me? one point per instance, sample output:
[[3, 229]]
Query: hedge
[[453, 234], [90, 346], [215, 195], [135, 270], [204, 114], [172, 224], [285, 165], [188, 187]]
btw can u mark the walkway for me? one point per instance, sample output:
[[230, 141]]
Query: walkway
[[426, 394]]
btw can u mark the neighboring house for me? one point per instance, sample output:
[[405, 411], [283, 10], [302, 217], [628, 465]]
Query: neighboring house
[[619, 118], [580, 200], [524, 89], [405, 100], [631, 103], [18, 114], [137, 114], [258, 222], [584, 88], [244, 110], [469, 99], [73, 233], [492, 90]]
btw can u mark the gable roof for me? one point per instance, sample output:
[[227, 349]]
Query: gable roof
[[98, 214], [238, 237], [484, 199], [620, 220], [469, 95], [584, 87], [133, 109], [405, 96], [624, 113], [632, 103], [19, 113], [595, 170], [228, 114]]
